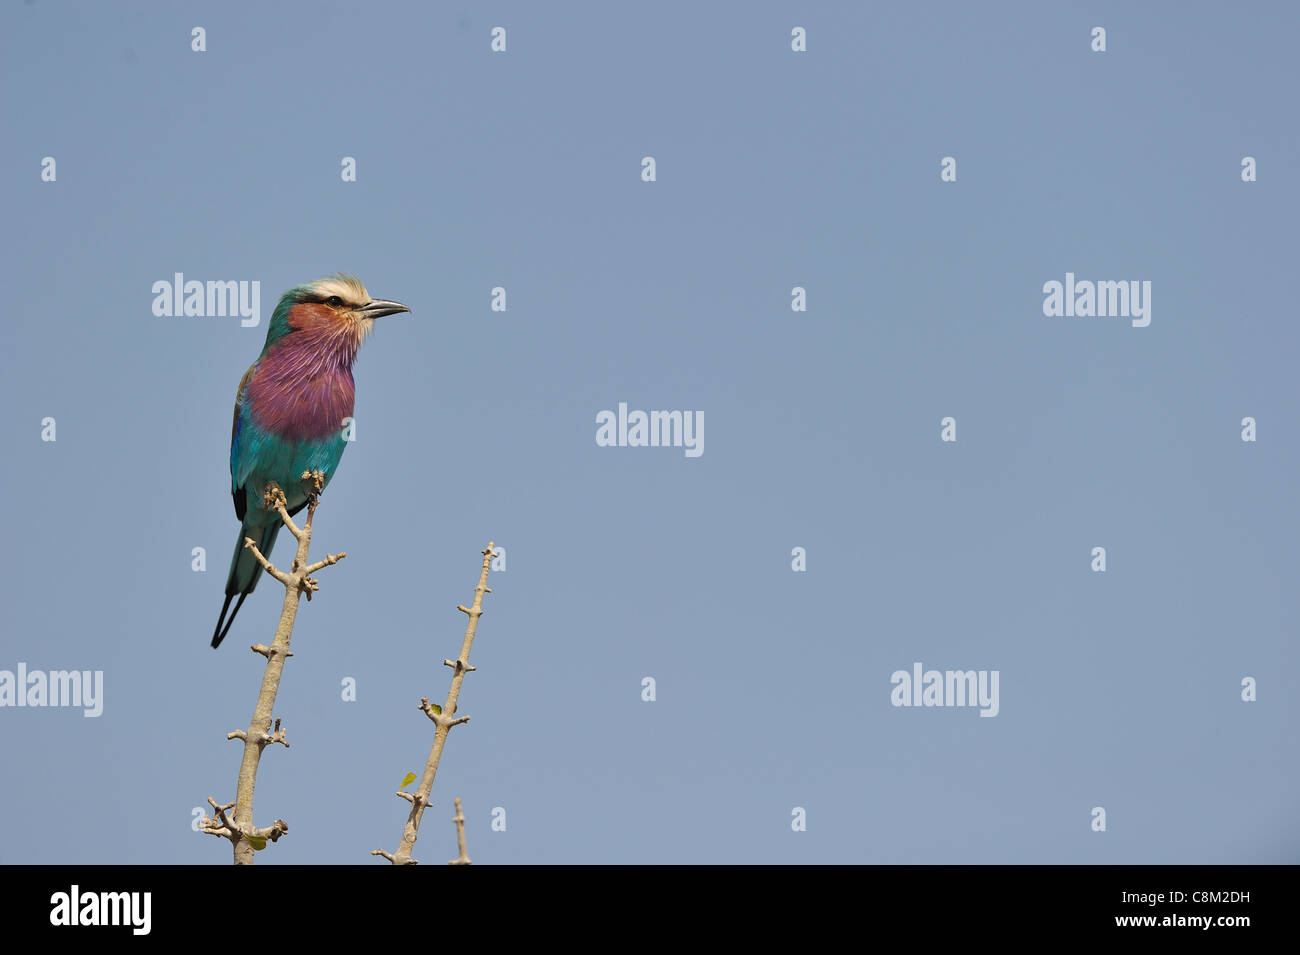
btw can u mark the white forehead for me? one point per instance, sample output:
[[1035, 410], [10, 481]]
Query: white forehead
[[344, 286]]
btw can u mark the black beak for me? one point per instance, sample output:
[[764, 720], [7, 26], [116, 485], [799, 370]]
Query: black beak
[[379, 308]]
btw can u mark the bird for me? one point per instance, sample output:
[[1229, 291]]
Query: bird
[[289, 413]]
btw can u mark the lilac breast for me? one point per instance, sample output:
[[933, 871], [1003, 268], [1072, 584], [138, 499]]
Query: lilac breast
[[301, 393]]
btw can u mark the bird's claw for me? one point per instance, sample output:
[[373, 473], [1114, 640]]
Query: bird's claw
[[273, 497], [316, 478]]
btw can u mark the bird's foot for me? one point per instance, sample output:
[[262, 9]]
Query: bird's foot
[[315, 480], [273, 497]]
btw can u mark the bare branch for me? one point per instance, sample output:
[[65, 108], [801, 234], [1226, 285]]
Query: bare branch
[[459, 820], [329, 559], [267, 566], [442, 718], [245, 836]]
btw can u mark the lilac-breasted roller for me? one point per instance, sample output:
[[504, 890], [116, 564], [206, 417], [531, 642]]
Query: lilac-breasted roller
[[290, 410]]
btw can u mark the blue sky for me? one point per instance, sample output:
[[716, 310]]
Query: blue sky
[[774, 169]]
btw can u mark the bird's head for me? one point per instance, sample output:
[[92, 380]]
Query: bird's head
[[336, 311]]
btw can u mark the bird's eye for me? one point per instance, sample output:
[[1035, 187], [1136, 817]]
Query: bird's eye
[[333, 301]]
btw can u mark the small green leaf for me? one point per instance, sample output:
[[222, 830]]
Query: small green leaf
[[407, 780], [436, 708], [257, 842]]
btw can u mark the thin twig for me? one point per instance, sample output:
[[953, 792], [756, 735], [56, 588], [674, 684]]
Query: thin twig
[[443, 720], [459, 820]]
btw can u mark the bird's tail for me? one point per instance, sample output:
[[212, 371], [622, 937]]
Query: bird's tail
[[244, 572]]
